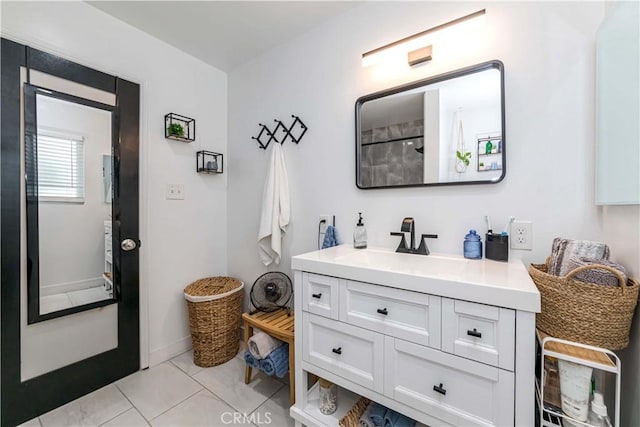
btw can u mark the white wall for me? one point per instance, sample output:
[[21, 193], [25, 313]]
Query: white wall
[[181, 240], [547, 50], [621, 224], [621, 231], [71, 235]]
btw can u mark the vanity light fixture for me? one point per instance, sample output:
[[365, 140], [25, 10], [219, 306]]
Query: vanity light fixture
[[418, 47]]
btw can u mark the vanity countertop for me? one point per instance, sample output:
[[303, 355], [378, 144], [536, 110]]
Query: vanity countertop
[[504, 284]]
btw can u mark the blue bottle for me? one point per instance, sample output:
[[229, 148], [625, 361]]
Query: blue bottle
[[472, 247]]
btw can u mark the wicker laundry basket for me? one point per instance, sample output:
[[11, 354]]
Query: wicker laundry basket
[[215, 309], [352, 417], [585, 312]]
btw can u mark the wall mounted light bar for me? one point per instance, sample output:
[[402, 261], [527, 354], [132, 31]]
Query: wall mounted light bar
[[417, 47]]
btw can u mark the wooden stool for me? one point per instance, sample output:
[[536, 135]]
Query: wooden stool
[[278, 324]]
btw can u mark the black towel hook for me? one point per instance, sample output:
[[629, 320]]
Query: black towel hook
[[288, 132]]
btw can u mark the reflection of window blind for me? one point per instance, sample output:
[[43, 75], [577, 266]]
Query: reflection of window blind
[[60, 169]]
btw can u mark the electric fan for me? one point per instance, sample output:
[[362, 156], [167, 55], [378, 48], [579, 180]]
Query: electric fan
[[271, 291]]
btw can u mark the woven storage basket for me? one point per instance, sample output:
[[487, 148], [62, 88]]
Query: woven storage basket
[[352, 418], [215, 309], [585, 312]]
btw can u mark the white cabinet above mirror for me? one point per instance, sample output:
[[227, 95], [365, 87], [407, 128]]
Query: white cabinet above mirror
[[447, 129], [618, 106]]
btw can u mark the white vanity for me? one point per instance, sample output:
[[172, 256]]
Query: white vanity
[[441, 339]]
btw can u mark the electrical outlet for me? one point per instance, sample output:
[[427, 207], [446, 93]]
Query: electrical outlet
[[327, 221], [522, 235], [175, 192]]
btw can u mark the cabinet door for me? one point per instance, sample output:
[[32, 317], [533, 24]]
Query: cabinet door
[[320, 295], [353, 353], [411, 316], [455, 390], [479, 332]]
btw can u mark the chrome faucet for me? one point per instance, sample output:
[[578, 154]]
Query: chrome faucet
[[408, 226]]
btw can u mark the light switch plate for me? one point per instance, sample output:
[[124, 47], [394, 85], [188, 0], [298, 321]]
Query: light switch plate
[[175, 192]]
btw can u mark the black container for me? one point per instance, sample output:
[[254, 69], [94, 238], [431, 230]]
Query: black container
[[497, 247]]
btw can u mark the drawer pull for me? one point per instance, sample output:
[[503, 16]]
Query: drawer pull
[[383, 311], [440, 389], [337, 350], [317, 295], [475, 333]]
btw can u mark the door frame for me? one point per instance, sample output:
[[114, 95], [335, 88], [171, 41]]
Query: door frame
[[21, 401]]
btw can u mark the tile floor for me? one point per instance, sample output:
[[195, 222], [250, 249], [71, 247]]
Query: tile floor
[[179, 393], [56, 302]]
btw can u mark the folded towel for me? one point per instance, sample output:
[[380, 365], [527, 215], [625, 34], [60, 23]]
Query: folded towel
[[250, 360], [261, 344], [377, 414], [276, 362], [276, 210], [365, 419], [330, 237], [599, 276], [563, 249], [394, 419]]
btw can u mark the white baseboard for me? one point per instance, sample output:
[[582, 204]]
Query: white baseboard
[[61, 288], [172, 350]]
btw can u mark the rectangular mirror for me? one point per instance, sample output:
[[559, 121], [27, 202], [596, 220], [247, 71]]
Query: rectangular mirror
[[69, 191], [447, 129]]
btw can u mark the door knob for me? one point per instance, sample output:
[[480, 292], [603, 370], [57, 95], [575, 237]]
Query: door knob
[[128, 245]]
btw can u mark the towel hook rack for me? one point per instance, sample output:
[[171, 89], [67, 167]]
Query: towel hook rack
[[297, 127]]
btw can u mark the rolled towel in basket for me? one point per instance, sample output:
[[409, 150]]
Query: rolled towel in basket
[[563, 249], [395, 419], [276, 362], [365, 418], [377, 414], [250, 360], [599, 276], [261, 344]]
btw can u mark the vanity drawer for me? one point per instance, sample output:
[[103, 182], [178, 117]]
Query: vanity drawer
[[411, 316], [351, 352], [480, 332], [320, 295], [455, 390]]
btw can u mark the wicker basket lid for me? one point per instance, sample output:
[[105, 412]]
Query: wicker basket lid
[[212, 288]]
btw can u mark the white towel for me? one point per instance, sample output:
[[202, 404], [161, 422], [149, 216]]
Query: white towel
[[261, 344], [276, 212]]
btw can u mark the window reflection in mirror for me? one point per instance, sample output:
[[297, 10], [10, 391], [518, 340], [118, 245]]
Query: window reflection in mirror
[[74, 181], [443, 130]]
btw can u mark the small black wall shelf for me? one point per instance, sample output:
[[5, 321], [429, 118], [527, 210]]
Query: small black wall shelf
[[281, 132], [209, 162], [179, 128]]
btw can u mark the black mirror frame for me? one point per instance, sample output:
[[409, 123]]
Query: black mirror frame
[[31, 185], [493, 64]]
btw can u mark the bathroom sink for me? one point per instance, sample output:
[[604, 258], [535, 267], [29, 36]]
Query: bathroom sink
[[505, 284], [429, 265]]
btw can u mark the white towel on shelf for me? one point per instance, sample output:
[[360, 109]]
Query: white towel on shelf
[[276, 211], [261, 344]]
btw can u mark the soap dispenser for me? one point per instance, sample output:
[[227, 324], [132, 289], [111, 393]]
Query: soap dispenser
[[360, 234]]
